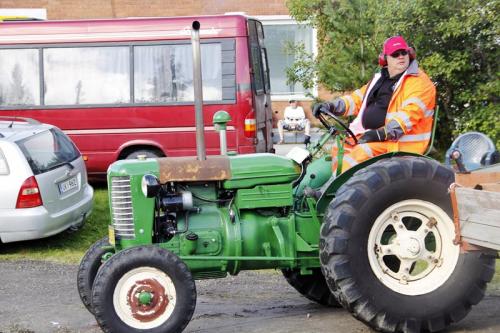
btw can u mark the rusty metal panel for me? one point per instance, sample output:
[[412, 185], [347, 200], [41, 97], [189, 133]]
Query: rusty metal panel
[[191, 169], [477, 178]]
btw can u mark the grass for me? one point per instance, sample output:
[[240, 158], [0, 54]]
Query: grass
[[65, 247], [494, 286]]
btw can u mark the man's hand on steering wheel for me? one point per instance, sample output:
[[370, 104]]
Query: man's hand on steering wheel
[[377, 135], [337, 107], [331, 109]]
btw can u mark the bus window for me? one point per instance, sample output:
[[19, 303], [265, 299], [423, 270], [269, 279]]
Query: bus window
[[256, 58], [86, 75], [164, 73], [260, 82], [19, 79], [265, 68]]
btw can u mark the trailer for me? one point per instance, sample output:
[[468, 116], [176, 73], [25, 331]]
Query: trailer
[[475, 200]]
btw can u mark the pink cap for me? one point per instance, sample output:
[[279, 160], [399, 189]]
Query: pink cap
[[393, 44]]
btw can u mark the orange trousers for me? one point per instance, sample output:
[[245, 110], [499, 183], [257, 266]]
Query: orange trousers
[[355, 154]]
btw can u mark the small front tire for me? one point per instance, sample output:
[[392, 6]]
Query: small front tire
[[144, 288], [87, 271]]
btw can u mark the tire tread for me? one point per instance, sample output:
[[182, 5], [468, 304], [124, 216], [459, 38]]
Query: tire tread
[[336, 233]]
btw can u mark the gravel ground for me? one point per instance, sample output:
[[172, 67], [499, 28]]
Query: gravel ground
[[41, 297]]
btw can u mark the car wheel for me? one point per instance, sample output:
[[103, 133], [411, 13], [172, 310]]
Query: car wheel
[[144, 288], [149, 153], [387, 249]]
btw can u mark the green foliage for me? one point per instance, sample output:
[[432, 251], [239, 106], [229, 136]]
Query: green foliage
[[457, 43], [64, 247], [343, 62]]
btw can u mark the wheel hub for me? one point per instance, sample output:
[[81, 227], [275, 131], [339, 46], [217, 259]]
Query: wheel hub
[[147, 300], [409, 248], [407, 245]]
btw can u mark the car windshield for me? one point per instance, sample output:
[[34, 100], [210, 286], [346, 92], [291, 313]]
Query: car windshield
[[48, 150]]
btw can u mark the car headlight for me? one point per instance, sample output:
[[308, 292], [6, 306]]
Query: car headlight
[[150, 186]]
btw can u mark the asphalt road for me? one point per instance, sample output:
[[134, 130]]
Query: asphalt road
[[40, 297]]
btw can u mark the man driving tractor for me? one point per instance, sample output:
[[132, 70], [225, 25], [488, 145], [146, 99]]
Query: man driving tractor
[[394, 110]]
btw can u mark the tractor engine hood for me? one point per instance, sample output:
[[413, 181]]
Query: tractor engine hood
[[248, 171], [184, 169], [242, 171]]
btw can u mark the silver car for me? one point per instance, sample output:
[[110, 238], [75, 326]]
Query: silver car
[[43, 181]]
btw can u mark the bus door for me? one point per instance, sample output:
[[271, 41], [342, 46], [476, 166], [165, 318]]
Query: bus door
[[261, 87]]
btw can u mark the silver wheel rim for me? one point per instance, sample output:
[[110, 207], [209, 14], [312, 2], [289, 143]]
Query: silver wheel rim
[[410, 247], [141, 280]]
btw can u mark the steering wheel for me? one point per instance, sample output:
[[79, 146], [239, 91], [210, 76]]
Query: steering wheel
[[347, 131]]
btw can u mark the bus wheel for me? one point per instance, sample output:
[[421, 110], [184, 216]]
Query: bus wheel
[[149, 153], [312, 286], [387, 249], [144, 288], [87, 271]]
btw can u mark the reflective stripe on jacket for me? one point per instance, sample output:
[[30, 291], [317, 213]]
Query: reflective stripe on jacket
[[411, 106]]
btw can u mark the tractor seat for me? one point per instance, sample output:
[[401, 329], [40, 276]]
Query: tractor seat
[[476, 151]]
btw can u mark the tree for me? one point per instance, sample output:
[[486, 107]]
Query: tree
[[457, 43], [347, 43]]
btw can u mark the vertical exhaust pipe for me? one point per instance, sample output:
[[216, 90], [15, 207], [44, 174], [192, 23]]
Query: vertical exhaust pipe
[[198, 92]]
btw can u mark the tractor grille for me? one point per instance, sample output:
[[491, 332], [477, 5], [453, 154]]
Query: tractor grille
[[121, 208]]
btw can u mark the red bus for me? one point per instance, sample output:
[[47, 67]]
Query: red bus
[[124, 87]]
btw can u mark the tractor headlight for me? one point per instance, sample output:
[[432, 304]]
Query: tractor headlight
[[150, 186]]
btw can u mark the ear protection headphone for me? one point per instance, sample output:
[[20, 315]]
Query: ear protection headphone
[[382, 58]]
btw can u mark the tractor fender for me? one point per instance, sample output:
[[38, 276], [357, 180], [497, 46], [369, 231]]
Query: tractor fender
[[336, 183]]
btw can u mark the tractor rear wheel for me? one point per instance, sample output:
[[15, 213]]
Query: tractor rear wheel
[[144, 289], [387, 249], [312, 286]]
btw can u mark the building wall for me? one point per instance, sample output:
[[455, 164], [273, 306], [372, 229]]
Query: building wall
[[79, 9]]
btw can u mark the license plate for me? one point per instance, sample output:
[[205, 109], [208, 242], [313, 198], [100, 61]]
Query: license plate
[[111, 235], [68, 185]]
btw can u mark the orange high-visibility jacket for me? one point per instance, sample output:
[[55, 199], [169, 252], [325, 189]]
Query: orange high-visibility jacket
[[411, 106]]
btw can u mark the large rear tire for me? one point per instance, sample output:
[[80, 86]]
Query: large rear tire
[[87, 271], [387, 249], [143, 289], [312, 286]]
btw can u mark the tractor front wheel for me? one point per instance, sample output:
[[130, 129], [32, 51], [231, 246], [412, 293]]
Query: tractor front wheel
[[144, 288], [87, 271], [387, 249]]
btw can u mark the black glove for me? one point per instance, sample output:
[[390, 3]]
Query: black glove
[[337, 107], [377, 135], [317, 108]]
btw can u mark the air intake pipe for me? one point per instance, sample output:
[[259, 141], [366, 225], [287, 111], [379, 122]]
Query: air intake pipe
[[198, 92]]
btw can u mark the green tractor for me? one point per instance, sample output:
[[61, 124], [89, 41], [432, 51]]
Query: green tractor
[[377, 239]]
